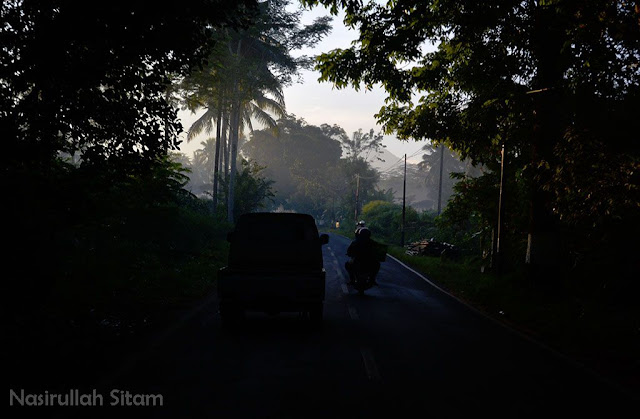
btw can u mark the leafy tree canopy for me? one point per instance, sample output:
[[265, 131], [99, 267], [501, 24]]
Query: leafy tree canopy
[[91, 77], [361, 145], [299, 159], [471, 62], [539, 77]]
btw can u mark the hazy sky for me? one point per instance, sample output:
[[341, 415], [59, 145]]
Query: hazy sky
[[319, 103]]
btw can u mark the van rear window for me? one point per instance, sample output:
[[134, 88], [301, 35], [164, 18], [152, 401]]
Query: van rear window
[[276, 241], [276, 228]]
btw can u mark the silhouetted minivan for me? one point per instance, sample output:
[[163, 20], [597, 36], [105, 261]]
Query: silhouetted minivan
[[275, 265]]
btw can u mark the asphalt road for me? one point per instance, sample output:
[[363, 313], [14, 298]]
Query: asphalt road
[[405, 349]]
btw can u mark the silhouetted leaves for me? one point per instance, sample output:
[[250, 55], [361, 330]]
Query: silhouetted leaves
[[555, 82], [91, 78]]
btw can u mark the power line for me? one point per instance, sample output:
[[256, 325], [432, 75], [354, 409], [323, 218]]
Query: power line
[[393, 166], [388, 169], [419, 151]]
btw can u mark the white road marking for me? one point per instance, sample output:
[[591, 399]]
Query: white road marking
[[338, 270], [370, 365], [369, 361], [344, 288]]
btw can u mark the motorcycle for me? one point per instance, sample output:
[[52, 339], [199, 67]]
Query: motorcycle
[[363, 280], [366, 255]]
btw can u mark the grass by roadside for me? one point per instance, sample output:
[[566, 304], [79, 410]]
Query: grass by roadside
[[601, 332]]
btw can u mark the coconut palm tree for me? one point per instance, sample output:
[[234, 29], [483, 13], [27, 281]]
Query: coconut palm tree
[[263, 105], [243, 85]]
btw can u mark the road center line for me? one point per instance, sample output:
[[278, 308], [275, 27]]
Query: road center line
[[370, 365], [336, 265]]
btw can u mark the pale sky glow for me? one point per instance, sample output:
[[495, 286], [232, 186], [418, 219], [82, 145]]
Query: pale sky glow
[[319, 103]]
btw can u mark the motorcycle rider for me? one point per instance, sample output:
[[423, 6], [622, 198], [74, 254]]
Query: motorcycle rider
[[362, 254]]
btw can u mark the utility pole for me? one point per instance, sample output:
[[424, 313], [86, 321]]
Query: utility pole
[[544, 251], [404, 190], [357, 192], [440, 181]]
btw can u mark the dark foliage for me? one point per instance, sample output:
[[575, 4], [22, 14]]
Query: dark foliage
[[90, 77], [555, 82], [110, 225], [253, 191]]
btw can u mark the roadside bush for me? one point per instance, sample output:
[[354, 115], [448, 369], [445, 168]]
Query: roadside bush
[[92, 240], [385, 221]]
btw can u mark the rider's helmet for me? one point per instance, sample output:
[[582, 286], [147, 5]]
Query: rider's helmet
[[360, 223], [365, 233]]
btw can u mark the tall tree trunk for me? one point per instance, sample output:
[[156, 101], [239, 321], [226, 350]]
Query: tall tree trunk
[[440, 179], [235, 122], [217, 157], [221, 158], [233, 138], [225, 141]]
